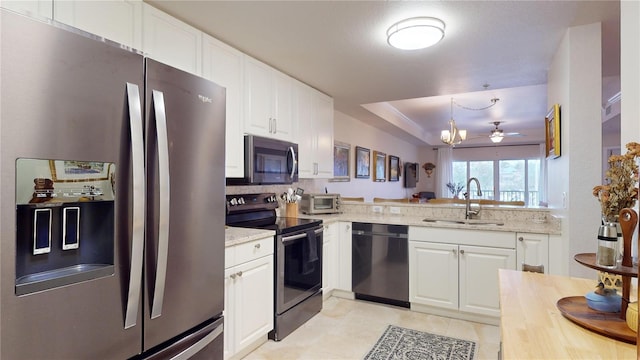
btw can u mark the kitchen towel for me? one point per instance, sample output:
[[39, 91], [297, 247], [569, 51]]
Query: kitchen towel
[[309, 252]]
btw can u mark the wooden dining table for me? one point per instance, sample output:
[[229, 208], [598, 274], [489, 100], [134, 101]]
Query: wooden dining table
[[532, 327]]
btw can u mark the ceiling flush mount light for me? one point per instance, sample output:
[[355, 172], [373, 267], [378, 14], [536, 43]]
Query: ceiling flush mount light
[[415, 33], [453, 136]]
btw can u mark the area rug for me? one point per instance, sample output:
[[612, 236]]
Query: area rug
[[399, 343]]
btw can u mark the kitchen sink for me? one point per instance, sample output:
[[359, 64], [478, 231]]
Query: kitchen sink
[[465, 222]]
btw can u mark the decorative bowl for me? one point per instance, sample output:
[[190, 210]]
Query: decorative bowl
[[612, 302], [632, 316]]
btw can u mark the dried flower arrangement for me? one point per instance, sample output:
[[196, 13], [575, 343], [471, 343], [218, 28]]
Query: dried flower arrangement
[[455, 188], [622, 176]]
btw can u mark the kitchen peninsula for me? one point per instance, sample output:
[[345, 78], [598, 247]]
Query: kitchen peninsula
[[532, 327]]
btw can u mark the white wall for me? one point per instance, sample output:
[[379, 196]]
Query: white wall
[[356, 133], [575, 82]]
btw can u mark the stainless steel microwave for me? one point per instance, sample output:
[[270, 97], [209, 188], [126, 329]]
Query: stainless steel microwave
[[320, 204], [268, 161]]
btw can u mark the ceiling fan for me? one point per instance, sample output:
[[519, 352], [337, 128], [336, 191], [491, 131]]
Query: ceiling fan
[[497, 134]]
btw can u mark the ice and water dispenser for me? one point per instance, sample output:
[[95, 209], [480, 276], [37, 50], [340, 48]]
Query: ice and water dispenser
[[65, 222]]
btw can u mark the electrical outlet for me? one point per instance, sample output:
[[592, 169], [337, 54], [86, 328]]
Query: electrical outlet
[[376, 209], [394, 210]]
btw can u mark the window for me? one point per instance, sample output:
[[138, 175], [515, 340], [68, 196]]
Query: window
[[504, 180]]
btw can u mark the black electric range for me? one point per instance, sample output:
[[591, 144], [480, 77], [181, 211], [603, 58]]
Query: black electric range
[[257, 211]]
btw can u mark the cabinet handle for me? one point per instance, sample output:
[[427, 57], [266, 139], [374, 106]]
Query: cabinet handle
[[257, 246], [239, 273], [520, 238], [233, 276], [275, 125], [270, 125], [461, 251], [453, 251]]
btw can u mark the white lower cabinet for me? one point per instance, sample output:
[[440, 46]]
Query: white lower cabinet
[[533, 249], [329, 259], [448, 271], [248, 302], [344, 257]]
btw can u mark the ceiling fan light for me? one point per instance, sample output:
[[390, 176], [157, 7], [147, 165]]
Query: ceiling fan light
[[415, 33], [496, 139]]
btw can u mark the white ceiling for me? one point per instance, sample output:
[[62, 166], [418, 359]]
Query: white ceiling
[[340, 48]]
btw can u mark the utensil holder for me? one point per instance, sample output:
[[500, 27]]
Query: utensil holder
[[291, 210]]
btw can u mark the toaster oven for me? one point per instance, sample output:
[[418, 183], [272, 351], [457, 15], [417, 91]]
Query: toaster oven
[[314, 204]]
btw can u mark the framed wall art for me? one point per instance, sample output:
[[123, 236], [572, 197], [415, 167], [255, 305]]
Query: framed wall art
[[394, 168], [380, 166], [74, 171], [341, 157], [552, 132], [362, 162]]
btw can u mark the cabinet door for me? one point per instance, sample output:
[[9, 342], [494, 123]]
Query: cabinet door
[[116, 20], [283, 119], [479, 292], [532, 249], [32, 8], [323, 130], [344, 256], [229, 313], [433, 274], [258, 98], [222, 64], [329, 259], [253, 301], [305, 135], [171, 41]]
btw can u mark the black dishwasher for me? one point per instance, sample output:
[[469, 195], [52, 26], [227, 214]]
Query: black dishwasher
[[380, 266]]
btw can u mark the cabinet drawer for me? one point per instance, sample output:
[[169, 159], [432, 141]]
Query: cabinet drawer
[[498, 239], [248, 251]]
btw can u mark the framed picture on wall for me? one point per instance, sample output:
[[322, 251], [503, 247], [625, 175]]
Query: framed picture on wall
[[380, 166], [552, 132], [362, 162], [394, 168], [341, 157]]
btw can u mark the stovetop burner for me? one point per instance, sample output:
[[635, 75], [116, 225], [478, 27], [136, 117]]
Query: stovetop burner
[[257, 211]]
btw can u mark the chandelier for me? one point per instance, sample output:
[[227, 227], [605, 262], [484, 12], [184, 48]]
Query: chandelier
[[453, 136]]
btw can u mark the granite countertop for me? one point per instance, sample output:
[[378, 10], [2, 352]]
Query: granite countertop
[[509, 226], [522, 220], [236, 236]]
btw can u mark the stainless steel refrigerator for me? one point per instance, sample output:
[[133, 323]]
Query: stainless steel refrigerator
[[111, 201]]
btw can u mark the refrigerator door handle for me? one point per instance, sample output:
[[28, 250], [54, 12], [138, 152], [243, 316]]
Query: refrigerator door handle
[[163, 184], [137, 231], [201, 344]]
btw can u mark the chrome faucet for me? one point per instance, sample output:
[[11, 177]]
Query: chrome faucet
[[467, 195]]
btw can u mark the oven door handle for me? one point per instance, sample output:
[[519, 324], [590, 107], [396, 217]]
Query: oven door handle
[[286, 239]]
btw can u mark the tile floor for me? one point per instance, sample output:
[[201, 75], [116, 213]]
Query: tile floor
[[347, 329]]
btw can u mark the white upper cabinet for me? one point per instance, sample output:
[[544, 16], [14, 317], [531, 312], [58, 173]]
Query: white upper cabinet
[[170, 41], [116, 20], [313, 112], [323, 133], [33, 8], [267, 101], [222, 64]]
